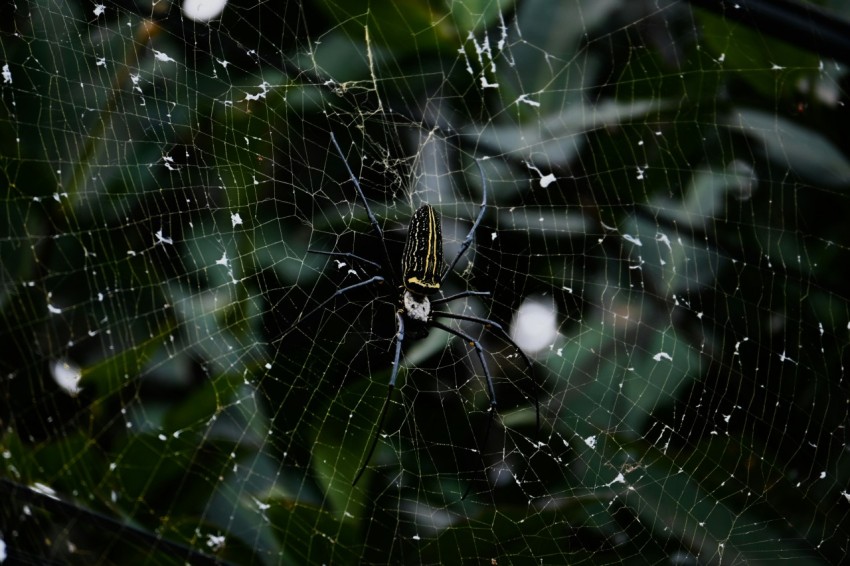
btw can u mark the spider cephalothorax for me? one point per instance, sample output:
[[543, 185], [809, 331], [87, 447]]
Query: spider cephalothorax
[[422, 276]]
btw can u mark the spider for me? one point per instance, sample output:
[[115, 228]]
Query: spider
[[422, 276]]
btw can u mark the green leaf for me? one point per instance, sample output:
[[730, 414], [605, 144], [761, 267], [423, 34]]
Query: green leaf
[[805, 152], [772, 67]]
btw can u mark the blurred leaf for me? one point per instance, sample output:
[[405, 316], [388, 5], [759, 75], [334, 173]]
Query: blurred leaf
[[556, 139], [111, 374], [772, 67], [803, 151], [414, 25], [311, 533], [345, 430]]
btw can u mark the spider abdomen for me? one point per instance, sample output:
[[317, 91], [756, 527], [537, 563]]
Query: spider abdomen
[[422, 260]]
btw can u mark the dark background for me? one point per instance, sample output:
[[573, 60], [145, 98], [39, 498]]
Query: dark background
[[163, 180]]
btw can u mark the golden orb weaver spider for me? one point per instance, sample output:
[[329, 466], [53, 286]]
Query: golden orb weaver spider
[[422, 276]]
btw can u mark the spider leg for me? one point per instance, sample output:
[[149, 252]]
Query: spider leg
[[460, 296], [390, 388], [343, 291], [468, 240], [507, 337], [490, 389], [375, 226], [348, 255]]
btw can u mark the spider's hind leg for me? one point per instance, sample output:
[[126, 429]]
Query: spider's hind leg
[[507, 338], [491, 391]]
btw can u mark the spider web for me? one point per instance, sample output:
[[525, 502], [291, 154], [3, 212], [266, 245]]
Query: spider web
[[664, 235]]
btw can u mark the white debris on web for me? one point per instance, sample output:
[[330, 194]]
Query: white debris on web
[[484, 53], [619, 479], [99, 10], [662, 356], [203, 10], [264, 90], [164, 57], [633, 239], [67, 376], [545, 180], [590, 441], [486, 84], [7, 75], [162, 239], [503, 28], [469, 69], [215, 542], [523, 98], [51, 308], [235, 219], [168, 160]]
